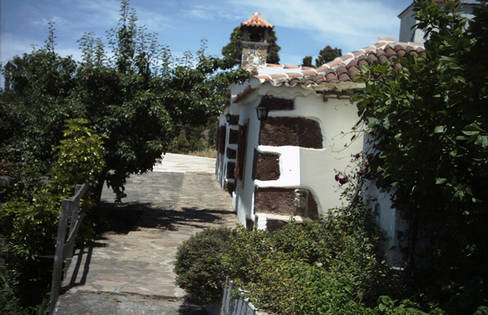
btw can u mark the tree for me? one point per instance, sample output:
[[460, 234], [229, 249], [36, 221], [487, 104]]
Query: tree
[[232, 51], [307, 61], [137, 99], [327, 54], [428, 126]]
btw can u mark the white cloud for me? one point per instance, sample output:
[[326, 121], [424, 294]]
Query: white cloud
[[200, 12], [211, 12], [44, 21], [13, 46]]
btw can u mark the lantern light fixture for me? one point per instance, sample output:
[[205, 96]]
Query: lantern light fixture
[[262, 112]]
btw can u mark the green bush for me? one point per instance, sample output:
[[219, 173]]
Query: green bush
[[319, 267], [198, 265], [329, 266], [323, 266], [29, 226], [9, 303]]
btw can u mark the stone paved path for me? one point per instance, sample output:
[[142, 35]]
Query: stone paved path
[[130, 269]]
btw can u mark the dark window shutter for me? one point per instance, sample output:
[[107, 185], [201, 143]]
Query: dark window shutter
[[241, 154]]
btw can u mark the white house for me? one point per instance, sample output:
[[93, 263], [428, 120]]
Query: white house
[[285, 165]]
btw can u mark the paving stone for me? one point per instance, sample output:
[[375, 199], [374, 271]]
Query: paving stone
[[135, 256]]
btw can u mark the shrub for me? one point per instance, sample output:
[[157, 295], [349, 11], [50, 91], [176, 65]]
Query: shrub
[[319, 267], [9, 303], [29, 226], [198, 265]]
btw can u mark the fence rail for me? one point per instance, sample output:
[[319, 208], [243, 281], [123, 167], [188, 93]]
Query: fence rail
[[65, 246]]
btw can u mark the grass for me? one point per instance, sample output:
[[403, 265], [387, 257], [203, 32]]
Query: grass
[[210, 153]]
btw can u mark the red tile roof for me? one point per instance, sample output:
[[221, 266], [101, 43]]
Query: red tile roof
[[341, 69], [258, 21]]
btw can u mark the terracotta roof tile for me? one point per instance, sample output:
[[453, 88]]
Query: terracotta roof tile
[[372, 58], [363, 62], [323, 68], [335, 62], [295, 74], [383, 59], [309, 73], [347, 57], [331, 76], [341, 69], [354, 71], [278, 76], [263, 77], [344, 77], [357, 53], [257, 20], [389, 52], [352, 63]]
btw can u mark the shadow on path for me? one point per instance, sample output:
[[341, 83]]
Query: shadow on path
[[125, 217]]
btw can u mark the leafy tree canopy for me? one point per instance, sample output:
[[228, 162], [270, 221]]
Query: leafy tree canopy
[[327, 54], [429, 147], [135, 94], [307, 61]]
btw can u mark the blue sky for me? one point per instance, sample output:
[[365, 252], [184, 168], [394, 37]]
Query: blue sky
[[303, 27]]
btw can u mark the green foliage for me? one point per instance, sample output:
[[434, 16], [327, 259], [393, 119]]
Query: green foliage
[[307, 61], [428, 126], [135, 97], [327, 54], [315, 268], [80, 157], [199, 267], [232, 51], [9, 303], [29, 226], [389, 306], [137, 100]]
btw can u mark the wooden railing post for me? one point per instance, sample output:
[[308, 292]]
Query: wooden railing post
[[65, 246], [58, 257]]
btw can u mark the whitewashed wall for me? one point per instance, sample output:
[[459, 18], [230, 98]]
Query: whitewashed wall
[[309, 168]]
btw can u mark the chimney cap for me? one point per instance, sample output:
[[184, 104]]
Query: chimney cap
[[256, 20]]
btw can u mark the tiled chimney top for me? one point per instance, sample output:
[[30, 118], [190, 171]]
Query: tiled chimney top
[[257, 20]]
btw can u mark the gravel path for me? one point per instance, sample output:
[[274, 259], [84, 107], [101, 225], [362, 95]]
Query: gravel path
[[129, 270]]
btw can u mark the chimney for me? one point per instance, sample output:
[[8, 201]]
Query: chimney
[[254, 41]]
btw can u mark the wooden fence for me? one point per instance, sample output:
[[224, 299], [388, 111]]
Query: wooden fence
[[65, 246], [236, 306]]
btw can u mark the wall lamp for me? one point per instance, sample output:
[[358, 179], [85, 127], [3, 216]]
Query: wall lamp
[[228, 117], [262, 112]]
